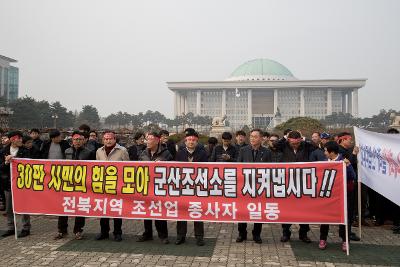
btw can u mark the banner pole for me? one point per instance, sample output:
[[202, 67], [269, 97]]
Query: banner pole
[[15, 227], [359, 206], [345, 207], [359, 186]]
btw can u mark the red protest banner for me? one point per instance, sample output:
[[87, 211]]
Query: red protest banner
[[222, 192]]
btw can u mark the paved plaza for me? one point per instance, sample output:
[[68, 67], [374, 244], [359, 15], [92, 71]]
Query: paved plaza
[[379, 247]]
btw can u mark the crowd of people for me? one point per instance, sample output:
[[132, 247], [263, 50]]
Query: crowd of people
[[84, 144]]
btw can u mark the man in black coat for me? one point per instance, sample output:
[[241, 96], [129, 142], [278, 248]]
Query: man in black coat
[[295, 149], [254, 152], [191, 153], [14, 150], [35, 134], [225, 152], [55, 147], [76, 152], [155, 152]]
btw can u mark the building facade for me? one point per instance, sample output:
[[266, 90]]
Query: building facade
[[9, 79], [263, 92]]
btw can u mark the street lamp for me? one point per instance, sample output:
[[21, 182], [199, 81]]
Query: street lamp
[[55, 117]]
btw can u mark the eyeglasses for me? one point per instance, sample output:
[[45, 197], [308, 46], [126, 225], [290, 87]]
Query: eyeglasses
[[77, 139]]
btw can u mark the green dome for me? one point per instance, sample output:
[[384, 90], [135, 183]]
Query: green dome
[[261, 69]]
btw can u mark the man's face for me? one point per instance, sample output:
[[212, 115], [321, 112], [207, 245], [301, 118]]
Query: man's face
[[240, 139], [16, 141], [93, 136], [226, 142], [164, 139], [272, 141], [140, 141], [255, 138], [191, 142], [28, 144], [152, 141], [265, 140], [294, 143], [330, 156], [56, 139], [5, 140], [77, 141], [347, 142], [34, 135], [315, 138], [109, 139], [324, 141]]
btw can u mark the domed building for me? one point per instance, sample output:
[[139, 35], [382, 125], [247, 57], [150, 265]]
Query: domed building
[[262, 93]]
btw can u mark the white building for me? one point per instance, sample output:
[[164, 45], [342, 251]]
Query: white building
[[260, 89]]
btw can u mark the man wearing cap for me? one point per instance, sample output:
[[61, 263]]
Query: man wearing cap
[[155, 151], [254, 152], [111, 151], [318, 154], [191, 153], [76, 152], [295, 149], [13, 150]]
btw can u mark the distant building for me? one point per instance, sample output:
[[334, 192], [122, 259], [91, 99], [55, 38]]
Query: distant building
[[261, 90], [9, 78]]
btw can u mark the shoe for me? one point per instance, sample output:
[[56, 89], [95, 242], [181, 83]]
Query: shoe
[[144, 238], [8, 233], [344, 247], [101, 236], [354, 237], [60, 235], [200, 242], [305, 239], [165, 241], [365, 223], [322, 244], [257, 239], [78, 235], [180, 240], [24, 233], [118, 238], [285, 238], [240, 239]]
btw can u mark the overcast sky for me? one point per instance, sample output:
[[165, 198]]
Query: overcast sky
[[118, 55]]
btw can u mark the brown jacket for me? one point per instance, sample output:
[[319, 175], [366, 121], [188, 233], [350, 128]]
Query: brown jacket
[[118, 153]]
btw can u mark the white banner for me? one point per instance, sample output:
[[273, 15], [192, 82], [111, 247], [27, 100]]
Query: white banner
[[379, 162]]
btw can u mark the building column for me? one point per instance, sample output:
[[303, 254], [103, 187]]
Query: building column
[[186, 104], [182, 104], [223, 108], [302, 107], [1, 81], [198, 102], [344, 109], [275, 101], [349, 103], [329, 102], [249, 107], [355, 103], [176, 113]]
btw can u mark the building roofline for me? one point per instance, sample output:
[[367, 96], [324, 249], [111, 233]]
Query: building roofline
[[331, 83], [8, 59]]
